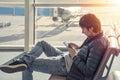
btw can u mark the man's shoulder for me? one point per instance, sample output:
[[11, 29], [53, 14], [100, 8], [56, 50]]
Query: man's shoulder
[[101, 41]]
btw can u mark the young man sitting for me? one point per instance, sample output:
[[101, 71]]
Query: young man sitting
[[80, 64]]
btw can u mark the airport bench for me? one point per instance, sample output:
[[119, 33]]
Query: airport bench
[[107, 60], [109, 56]]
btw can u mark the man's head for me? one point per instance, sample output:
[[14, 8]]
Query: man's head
[[90, 23]]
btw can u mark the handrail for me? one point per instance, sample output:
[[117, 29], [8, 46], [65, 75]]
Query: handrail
[[45, 4], [5, 4], [54, 4]]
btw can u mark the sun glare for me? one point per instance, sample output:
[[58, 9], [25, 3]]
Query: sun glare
[[114, 1]]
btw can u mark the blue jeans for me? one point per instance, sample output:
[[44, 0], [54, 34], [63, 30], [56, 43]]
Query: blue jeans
[[54, 64]]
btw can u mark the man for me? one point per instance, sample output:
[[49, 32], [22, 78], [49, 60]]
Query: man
[[80, 64]]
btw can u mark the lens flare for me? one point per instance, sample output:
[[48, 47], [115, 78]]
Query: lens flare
[[114, 1]]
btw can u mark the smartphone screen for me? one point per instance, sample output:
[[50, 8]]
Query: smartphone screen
[[66, 44]]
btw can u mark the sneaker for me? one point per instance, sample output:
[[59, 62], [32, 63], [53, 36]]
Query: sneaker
[[14, 67]]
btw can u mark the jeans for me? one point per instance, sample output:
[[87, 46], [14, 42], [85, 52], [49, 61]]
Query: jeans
[[54, 64]]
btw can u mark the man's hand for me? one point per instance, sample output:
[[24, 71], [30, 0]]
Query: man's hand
[[72, 52], [74, 46]]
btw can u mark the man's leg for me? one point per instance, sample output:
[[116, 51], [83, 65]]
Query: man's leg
[[52, 65], [31, 56], [39, 48], [27, 74]]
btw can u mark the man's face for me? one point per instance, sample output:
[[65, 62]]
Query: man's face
[[87, 32]]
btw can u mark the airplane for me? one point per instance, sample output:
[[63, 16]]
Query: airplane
[[65, 13]]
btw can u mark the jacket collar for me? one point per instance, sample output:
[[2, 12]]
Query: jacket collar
[[89, 39], [97, 36]]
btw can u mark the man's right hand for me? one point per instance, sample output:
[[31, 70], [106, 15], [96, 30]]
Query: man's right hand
[[73, 45], [72, 52]]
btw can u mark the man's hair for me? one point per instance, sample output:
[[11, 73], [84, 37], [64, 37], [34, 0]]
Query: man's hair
[[90, 20]]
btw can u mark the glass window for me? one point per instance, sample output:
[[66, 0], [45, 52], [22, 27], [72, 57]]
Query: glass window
[[11, 22], [58, 24]]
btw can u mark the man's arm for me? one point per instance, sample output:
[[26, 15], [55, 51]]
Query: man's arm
[[89, 66], [72, 49]]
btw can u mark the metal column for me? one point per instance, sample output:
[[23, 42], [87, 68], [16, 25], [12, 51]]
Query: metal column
[[29, 25]]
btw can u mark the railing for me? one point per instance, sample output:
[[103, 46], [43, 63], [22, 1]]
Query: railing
[[42, 4], [5, 4]]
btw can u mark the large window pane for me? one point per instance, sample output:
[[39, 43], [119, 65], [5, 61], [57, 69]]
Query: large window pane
[[65, 26], [11, 25]]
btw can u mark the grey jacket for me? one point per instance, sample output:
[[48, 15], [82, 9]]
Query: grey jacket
[[85, 63]]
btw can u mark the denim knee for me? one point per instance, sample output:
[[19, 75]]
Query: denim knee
[[40, 43]]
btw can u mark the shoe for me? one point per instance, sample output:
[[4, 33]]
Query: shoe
[[16, 66]]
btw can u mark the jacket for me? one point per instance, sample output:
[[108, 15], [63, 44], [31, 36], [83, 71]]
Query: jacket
[[87, 60]]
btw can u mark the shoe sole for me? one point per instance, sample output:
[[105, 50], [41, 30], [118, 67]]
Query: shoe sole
[[13, 68]]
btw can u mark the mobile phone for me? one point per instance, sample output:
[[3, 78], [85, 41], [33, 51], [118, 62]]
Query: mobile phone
[[66, 44]]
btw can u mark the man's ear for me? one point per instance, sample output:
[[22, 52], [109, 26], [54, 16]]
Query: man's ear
[[91, 29]]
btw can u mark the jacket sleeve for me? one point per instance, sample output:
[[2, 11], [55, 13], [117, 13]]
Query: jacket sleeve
[[88, 67], [83, 52]]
